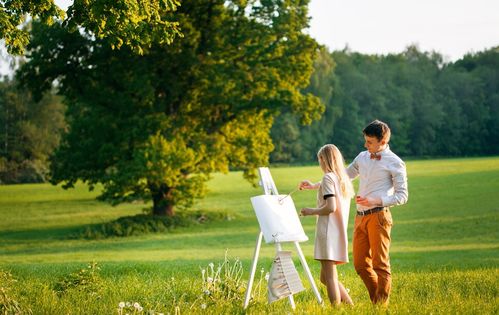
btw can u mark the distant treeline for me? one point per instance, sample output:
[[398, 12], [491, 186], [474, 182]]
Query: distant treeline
[[29, 133], [434, 108]]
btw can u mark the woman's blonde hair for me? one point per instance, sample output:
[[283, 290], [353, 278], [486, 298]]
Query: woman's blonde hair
[[331, 160]]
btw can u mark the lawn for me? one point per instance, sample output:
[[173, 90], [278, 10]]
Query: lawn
[[444, 254]]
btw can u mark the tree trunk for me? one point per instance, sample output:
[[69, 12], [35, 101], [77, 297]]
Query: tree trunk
[[162, 203]]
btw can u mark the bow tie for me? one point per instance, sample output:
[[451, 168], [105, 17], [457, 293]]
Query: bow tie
[[375, 156]]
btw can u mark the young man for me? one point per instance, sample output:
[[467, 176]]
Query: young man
[[383, 183]]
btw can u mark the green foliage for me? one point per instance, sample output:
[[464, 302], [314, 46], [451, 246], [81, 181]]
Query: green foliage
[[154, 127], [30, 132], [86, 280], [433, 108], [8, 303], [13, 15], [142, 224], [135, 24]]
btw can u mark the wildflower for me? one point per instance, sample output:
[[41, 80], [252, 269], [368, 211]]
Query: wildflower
[[209, 279], [267, 276], [140, 308], [121, 305], [203, 306], [136, 305], [207, 292]]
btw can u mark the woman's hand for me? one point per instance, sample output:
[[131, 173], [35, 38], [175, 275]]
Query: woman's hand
[[307, 211], [306, 184]]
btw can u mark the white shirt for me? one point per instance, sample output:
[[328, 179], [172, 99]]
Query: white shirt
[[385, 178]]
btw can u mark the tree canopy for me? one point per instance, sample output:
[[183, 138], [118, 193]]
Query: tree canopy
[[134, 23], [155, 126]]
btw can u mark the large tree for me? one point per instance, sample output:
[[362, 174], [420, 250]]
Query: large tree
[[134, 23], [155, 126]]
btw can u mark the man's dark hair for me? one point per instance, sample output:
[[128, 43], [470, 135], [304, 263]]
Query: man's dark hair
[[378, 129]]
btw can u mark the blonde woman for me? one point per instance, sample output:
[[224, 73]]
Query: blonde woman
[[333, 206]]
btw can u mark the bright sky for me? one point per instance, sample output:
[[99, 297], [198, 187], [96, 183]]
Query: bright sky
[[450, 27]]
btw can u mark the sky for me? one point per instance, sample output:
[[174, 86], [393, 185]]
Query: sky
[[449, 27]]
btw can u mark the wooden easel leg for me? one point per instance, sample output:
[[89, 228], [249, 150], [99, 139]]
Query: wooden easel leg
[[309, 274], [253, 269]]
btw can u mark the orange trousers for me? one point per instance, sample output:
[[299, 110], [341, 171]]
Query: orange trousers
[[371, 244]]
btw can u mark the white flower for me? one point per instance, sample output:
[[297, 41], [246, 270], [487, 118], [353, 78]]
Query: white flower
[[203, 306], [209, 279], [121, 305], [267, 276], [140, 308], [207, 292], [136, 305]]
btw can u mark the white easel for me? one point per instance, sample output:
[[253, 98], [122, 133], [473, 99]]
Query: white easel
[[269, 188]]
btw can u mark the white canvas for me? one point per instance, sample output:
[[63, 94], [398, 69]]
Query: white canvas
[[279, 221]]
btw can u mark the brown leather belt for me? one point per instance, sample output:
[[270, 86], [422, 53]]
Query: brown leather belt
[[370, 211]]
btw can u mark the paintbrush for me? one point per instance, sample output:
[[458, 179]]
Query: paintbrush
[[281, 199]]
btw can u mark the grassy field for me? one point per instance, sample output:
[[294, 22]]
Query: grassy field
[[444, 254]]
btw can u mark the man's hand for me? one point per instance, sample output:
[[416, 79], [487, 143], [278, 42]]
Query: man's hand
[[368, 201]]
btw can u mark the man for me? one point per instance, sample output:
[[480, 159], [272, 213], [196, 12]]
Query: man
[[383, 183]]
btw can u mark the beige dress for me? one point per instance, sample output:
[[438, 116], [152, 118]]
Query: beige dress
[[331, 242]]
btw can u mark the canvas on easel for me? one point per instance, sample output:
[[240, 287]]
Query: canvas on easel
[[278, 219], [279, 222]]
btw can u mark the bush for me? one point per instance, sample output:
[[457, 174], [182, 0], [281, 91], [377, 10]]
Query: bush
[[27, 171], [145, 224]]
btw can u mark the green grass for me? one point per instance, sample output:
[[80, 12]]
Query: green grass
[[445, 247]]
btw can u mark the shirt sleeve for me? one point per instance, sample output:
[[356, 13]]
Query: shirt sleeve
[[327, 186], [399, 179], [353, 169]]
